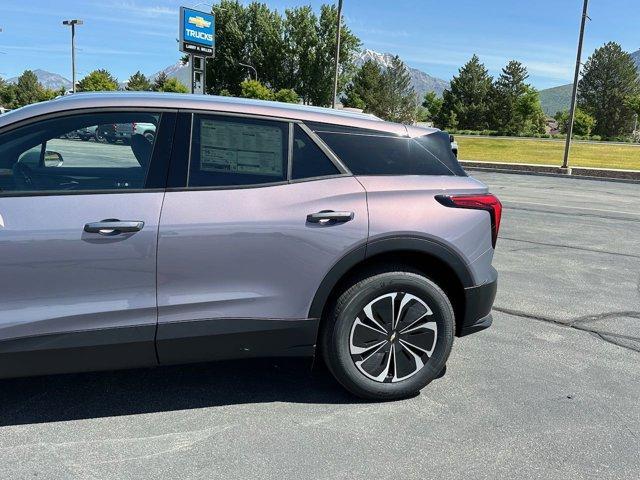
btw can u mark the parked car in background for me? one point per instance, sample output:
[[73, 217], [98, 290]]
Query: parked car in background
[[239, 228]]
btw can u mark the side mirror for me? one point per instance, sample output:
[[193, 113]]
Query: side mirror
[[52, 159], [452, 138]]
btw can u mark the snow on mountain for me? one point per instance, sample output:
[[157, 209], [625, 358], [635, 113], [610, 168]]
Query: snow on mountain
[[178, 70], [422, 82]]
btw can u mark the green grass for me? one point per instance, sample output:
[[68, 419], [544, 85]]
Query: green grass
[[549, 152]]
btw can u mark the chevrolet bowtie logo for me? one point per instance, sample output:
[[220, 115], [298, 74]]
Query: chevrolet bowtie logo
[[199, 22]]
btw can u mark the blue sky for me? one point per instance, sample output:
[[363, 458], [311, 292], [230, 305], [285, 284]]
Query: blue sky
[[435, 36]]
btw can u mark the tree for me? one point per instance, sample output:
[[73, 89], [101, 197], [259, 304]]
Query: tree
[[7, 94], [301, 44], [27, 89], [286, 95], [365, 90], [432, 105], [398, 102], [174, 85], [98, 81], [583, 122], [528, 117], [294, 51], [224, 71], [634, 104], [466, 101], [265, 43], [321, 88], [159, 81], [138, 82], [609, 81], [255, 89], [506, 92]]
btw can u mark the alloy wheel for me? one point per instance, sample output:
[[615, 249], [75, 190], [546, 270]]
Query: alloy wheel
[[393, 337]]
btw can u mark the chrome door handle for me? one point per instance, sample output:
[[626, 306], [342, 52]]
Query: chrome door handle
[[114, 227], [329, 217]]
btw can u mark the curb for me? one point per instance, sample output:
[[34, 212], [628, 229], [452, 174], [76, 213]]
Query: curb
[[631, 176]]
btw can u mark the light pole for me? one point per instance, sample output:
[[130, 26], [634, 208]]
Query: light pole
[[73, 24], [337, 60], [255, 72], [574, 94]]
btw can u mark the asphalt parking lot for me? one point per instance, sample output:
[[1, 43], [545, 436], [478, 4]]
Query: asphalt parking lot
[[552, 390]]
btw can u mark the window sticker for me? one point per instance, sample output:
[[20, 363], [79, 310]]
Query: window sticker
[[236, 148]]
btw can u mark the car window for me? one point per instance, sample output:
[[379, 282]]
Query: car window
[[308, 159], [237, 151], [101, 151], [386, 155]]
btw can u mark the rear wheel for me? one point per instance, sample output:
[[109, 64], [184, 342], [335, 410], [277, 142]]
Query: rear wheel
[[389, 335]]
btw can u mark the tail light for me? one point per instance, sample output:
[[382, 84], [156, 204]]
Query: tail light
[[487, 202]]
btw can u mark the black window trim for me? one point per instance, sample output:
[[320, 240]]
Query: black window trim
[[83, 111], [184, 184]]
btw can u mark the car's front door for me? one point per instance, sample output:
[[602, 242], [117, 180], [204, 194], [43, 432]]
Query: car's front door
[[245, 244], [78, 237]]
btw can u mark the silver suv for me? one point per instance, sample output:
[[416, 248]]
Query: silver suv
[[240, 229]]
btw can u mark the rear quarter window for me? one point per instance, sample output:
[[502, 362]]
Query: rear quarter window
[[366, 154]]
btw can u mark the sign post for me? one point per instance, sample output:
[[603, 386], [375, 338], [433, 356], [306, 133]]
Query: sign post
[[197, 38]]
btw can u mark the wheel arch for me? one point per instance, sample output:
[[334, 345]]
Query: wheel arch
[[434, 259]]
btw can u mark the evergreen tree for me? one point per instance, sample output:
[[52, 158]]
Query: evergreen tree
[[432, 105], [398, 101], [28, 90], [138, 82], [507, 90], [159, 81], [365, 90], [467, 100], [609, 81], [98, 81]]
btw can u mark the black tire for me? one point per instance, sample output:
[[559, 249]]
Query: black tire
[[336, 336]]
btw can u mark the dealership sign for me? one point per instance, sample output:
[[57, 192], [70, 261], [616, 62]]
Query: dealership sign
[[197, 32]]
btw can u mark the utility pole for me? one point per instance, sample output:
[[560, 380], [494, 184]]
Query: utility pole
[[73, 24], [574, 94], [337, 64]]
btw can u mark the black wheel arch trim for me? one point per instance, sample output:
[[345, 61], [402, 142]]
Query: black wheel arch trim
[[389, 244]]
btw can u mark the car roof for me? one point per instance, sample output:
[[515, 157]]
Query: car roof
[[210, 103]]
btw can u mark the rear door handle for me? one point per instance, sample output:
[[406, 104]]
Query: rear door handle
[[114, 227], [329, 217]]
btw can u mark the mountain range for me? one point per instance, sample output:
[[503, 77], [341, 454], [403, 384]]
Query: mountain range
[[556, 99], [50, 80]]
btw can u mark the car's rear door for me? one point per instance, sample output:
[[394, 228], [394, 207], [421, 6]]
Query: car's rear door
[[78, 236], [247, 236]]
